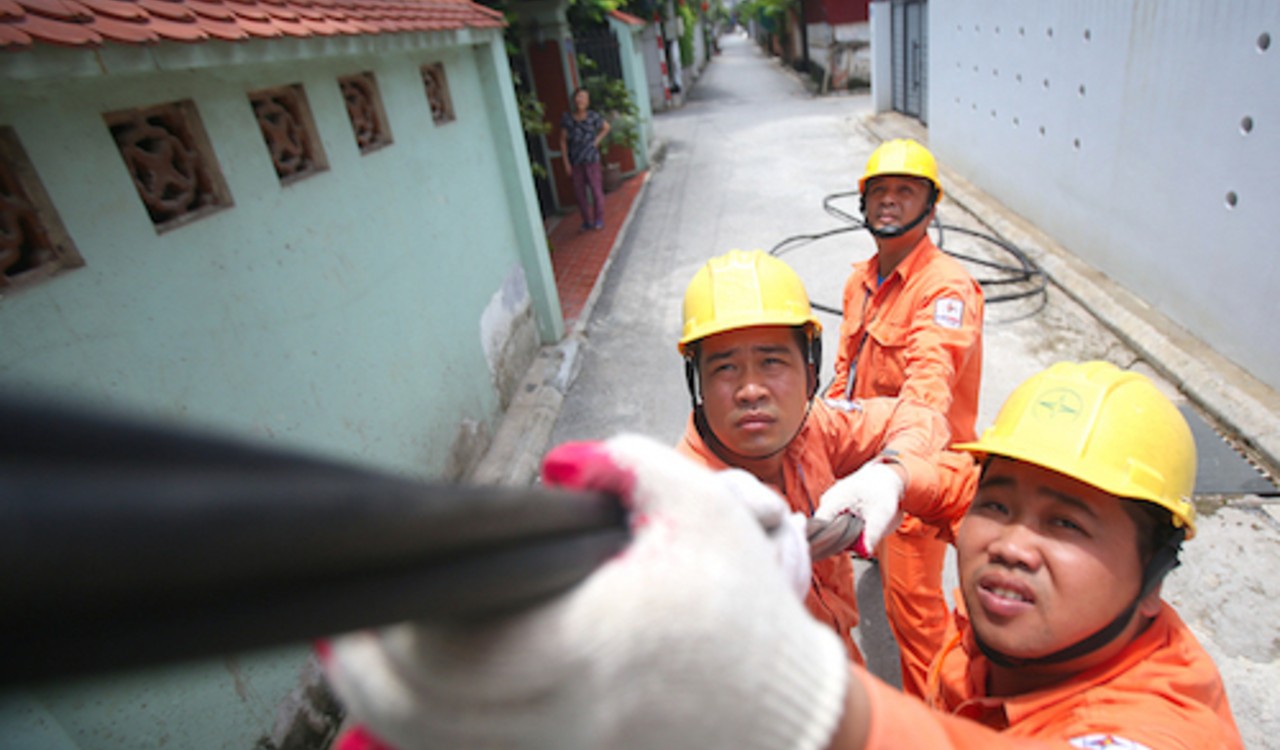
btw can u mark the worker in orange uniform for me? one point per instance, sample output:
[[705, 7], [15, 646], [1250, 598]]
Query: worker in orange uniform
[[752, 349], [696, 637], [912, 328]]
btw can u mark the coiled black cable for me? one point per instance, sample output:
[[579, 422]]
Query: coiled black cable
[[1024, 271]]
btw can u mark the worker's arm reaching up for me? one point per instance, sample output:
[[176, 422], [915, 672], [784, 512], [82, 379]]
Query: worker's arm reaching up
[[900, 466], [641, 654], [694, 636]]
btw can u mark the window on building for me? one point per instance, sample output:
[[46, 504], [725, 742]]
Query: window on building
[[33, 243], [171, 161]]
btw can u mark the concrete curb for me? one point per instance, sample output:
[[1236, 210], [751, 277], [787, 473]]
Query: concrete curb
[[515, 454], [1244, 407]]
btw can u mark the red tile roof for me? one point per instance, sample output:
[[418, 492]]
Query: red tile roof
[[627, 18], [89, 23]]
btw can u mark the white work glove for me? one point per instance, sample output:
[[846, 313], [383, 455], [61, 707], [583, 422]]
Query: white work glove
[[694, 636], [872, 493]]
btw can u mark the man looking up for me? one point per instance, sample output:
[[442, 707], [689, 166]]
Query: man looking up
[[912, 329], [753, 349]]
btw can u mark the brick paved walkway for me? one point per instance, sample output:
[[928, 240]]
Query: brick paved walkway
[[578, 257]]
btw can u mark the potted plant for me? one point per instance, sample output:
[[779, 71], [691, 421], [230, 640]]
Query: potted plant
[[611, 98]]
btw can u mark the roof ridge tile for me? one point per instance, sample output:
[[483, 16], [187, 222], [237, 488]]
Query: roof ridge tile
[[126, 31], [61, 33], [225, 29], [11, 37], [10, 10], [173, 10], [210, 9], [24, 23], [119, 9], [180, 31], [58, 10]]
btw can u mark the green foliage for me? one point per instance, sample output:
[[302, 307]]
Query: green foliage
[[611, 97], [686, 39], [769, 13], [533, 121], [533, 115], [716, 12], [591, 11]]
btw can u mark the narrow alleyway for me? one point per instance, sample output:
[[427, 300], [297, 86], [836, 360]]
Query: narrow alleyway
[[749, 160]]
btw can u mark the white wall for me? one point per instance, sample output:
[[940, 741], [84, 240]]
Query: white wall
[[880, 23], [1119, 128], [653, 68]]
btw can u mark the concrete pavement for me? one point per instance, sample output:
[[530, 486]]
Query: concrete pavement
[[748, 162]]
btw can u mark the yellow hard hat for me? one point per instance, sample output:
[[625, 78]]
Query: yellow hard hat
[[902, 156], [1107, 427], [743, 289]]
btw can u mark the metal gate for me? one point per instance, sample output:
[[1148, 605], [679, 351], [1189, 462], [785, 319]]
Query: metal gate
[[601, 46], [911, 59]]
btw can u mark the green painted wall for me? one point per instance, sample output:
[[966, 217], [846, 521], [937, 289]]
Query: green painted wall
[[341, 313], [629, 40], [374, 312], [216, 705]]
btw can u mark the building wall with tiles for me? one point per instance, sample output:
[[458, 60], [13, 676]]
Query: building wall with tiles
[[376, 310], [341, 312]]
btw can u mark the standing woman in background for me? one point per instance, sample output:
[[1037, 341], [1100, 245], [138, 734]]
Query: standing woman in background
[[581, 131]]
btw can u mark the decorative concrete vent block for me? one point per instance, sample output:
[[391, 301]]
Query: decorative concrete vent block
[[289, 131], [33, 243], [364, 107], [172, 164], [438, 93]]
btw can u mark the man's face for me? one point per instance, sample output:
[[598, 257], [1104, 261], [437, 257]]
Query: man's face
[[1044, 560], [754, 388], [894, 201]]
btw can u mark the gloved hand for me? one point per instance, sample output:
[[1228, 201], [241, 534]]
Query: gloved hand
[[871, 493], [694, 636]]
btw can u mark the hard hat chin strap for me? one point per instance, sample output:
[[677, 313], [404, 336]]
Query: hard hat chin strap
[[732, 457], [1164, 560], [890, 232]]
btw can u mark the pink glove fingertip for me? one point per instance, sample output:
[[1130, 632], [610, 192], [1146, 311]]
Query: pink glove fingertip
[[586, 465], [360, 738]]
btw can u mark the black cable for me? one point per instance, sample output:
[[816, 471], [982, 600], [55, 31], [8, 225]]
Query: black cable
[[1026, 270], [126, 544]]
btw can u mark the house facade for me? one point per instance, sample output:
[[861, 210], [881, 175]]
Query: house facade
[[839, 40], [305, 224]]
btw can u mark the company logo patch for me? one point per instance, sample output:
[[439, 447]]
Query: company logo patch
[[948, 313], [1107, 741], [1061, 405]]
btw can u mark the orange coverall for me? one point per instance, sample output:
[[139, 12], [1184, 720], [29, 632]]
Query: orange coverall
[[917, 335], [1162, 692], [833, 444]]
